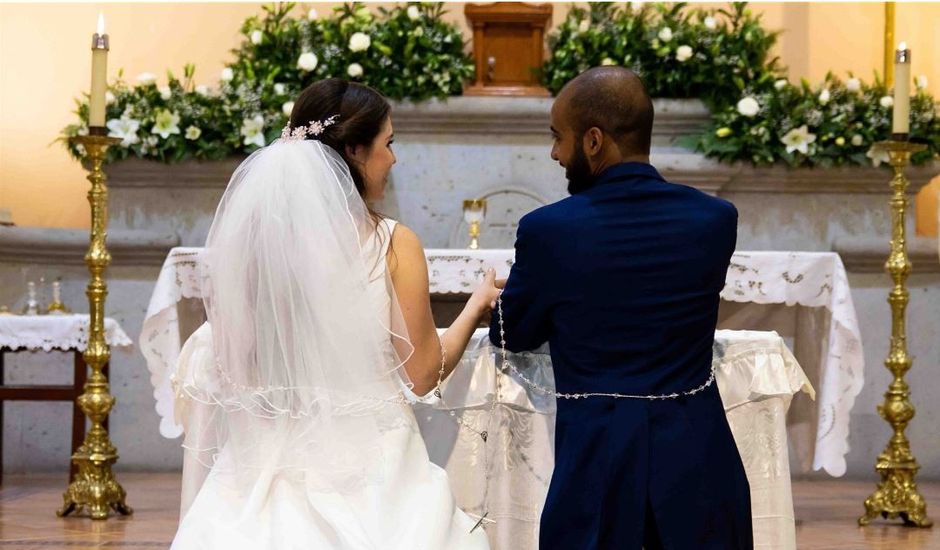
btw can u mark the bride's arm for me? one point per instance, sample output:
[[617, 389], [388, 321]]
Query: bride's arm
[[409, 272]]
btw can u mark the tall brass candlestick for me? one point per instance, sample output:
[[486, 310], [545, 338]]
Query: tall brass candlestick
[[95, 486], [897, 494]]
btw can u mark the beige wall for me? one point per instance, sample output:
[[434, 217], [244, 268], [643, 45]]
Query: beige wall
[[44, 63]]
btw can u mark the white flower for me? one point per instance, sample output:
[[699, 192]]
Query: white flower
[[584, 25], [857, 140], [124, 128], [824, 96], [287, 108], [83, 131], [307, 61], [109, 97], [193, 133], [279, 88], [418, 31], [683, 53], [413, 12], [608, 61], [253, 130], [886, 101], [145, 78], [359, 42], [780, 84], [748, 106], [840, 141], [877, 155], [665, 34], [312, 14], [165, 123], [710, 22], [354, 70], [165, 92], [798, 139], [853, 84], [227, 74], [202, 89], [921, 82], [256, 37]]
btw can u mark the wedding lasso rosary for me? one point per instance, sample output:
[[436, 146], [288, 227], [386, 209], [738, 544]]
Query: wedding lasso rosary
[[506, 365]]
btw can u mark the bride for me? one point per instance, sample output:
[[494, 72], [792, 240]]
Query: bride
[[295, 396]]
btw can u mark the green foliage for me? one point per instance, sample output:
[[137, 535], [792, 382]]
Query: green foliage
[[407, 53], [723, 56]]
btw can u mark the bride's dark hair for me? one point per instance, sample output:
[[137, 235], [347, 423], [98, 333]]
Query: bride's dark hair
[[362, 112]]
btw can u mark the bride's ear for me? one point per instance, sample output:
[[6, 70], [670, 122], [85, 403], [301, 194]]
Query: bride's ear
[[355, 153]]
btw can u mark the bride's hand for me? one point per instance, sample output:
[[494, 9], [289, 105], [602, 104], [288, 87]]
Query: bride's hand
[[483, 298]]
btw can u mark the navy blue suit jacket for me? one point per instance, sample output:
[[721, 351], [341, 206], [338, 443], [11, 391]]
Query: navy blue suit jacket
[[623, 280]]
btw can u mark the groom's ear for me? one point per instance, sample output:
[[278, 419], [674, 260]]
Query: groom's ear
[[593, 141]]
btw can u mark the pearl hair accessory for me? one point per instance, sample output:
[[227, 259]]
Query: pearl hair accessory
[[315, 128]]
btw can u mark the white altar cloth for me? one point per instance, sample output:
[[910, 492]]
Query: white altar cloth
[[829, 347], [756, 376]]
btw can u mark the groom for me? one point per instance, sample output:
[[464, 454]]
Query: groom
[[622, 279]]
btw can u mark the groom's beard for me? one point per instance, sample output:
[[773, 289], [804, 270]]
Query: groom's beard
[[578, 172]]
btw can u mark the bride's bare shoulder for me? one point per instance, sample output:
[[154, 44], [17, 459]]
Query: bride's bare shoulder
[[406, 253]]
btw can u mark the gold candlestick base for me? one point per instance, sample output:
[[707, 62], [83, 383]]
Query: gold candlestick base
[[95, 486], [896, 494]]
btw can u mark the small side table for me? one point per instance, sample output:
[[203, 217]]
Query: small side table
[[47, 333]]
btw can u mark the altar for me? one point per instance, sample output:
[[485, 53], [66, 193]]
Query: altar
[[804, 296]]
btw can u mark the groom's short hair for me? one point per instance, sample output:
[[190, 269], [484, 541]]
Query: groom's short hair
[[614, 100]]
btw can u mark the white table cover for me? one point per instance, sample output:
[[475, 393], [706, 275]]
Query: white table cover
[[756, 375], [831, 346], [48, 332]]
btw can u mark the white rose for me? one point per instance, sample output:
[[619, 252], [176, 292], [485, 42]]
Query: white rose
[[413, 12], [887, 102], [253, 131], [665, 34], [683, 53], [354, 70], [857, 140], [227, 74], [710, 22], [824, 96], [165, 93], [307, 61], [780, 84], [202, 89], [109, 97], [853, 84], [193, 133], [279, 88], [312, 14], [584, 25], [256, 37], [287, 108], [359, 42], [921, 82], [748, 106], [608, 61], [145, 78]]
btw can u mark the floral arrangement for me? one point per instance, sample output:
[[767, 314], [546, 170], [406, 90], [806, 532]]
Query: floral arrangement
[[833, 124], [722, 56], [407, 53], [680, 52]]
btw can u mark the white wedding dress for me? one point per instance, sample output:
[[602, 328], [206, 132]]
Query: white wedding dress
[[262, 472]]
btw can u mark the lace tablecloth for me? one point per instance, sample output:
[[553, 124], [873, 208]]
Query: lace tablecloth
[[831, 344], [49, 332], [756, 375]]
